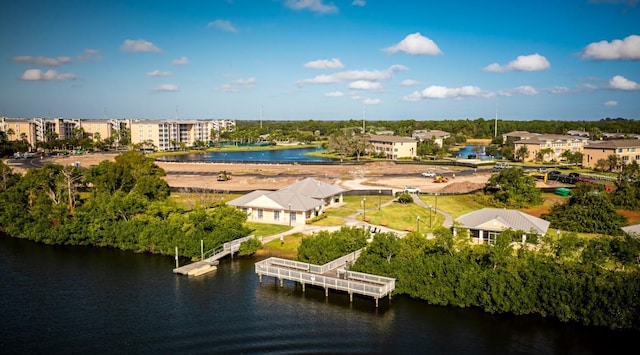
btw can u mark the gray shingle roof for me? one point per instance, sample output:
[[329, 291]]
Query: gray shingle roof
[[274, 200], [632, 230], [313, 188], [497, 219]]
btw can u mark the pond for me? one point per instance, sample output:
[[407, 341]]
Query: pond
[[292, 155]]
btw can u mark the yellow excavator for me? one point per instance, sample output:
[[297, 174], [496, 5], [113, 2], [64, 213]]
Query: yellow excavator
[[224, 176]]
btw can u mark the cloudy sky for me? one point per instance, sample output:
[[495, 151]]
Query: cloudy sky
[[321, 59]]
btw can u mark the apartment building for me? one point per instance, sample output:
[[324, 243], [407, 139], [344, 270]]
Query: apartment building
[[436, 135], [627, 151], [394, 147], [161, 133], [553, 144]]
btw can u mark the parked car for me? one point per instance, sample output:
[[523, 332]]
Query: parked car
[[428, 174], [411, 190], [553, 175], [500, 166]]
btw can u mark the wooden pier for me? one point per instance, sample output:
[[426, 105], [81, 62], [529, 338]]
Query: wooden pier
[[210, 261], [333, 275]]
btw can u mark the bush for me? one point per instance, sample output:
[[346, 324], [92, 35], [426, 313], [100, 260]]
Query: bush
[[249, 247], [404, 198]]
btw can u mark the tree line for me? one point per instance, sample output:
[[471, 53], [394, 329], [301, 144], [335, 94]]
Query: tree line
[[121, 204]]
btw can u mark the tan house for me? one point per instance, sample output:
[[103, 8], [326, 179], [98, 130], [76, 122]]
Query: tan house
[[517, 136], [437, 136], [485, 224], [292, 205], [552, 144], [627, 151], [393, 147]]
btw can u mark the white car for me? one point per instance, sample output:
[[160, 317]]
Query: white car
[[411, 190], [428, 174]]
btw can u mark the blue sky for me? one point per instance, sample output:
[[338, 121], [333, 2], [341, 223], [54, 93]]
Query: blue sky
[[321, 59]]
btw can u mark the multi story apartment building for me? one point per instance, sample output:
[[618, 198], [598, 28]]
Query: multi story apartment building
[[627, 150], [394, 147], [436, 135], [552, 144], [161, 133]]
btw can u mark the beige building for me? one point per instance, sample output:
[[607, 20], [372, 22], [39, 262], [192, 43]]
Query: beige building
[[553, 144], [394, 147], [166, 134], [21, 128], [437, 136], [627, 151]]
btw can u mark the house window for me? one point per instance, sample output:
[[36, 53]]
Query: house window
[[276, 215], [260, 213], [292, 216], [491, 237]]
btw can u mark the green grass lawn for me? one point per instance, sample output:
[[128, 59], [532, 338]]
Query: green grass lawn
[[329, 221], [402, 216], [455, 205], [287, 250], [265, 229]]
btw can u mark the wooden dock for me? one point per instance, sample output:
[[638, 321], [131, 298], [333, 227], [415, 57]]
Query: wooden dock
[[210, 262], [333, 275]]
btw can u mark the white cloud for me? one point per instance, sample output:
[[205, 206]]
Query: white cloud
[[311, 5], [334, 94], [46, 61], [89, 53], [166, 88], [353, 75], [37, 74], [222, 25], [628, 48], [611, 103], [159, 73], [237, 85], [559, 90], [532, 62], [369, 101], [181, 61], [333, 63], [138, 46], [619, 82], [365, 85], [415, 44], [520, 90], [414, 96], [358, 3], [442, 92], [409, 82]]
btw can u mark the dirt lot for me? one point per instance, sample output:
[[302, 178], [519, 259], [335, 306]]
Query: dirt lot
[[275, 176]]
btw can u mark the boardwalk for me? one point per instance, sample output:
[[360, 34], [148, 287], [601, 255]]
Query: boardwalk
[[211, 258], [333, 275]]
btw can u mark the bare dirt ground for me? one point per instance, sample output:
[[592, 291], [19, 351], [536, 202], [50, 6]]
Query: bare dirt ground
[[386, 175]]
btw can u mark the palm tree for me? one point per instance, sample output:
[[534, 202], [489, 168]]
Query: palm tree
[[10, 132], [522, 153]]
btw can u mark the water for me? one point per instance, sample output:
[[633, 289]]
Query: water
[[88, 300], [468, 151], [283, 155]]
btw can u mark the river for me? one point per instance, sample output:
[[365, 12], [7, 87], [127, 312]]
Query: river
[[85, 300]]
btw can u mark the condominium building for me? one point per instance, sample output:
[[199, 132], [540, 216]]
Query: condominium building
[[163, 134], [553, 145], [394, 147], [436, 135], [627, 150]]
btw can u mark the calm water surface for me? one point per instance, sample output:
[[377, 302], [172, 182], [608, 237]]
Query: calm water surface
[[87, 300], [282, 155]]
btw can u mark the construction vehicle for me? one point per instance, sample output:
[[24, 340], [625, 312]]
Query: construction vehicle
[[224, 176]]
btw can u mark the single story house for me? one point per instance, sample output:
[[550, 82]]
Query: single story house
[[633, 230], [291, 205], [485, 224]]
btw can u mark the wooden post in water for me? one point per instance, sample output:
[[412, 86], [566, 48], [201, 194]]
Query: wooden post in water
[[201, 249], [177, 258]]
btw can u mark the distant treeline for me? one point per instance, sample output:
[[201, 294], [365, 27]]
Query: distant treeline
[[477, 128]]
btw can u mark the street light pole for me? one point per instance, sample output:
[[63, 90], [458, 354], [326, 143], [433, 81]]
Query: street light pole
[[364, 208], [436, 208], [429, 216], [289, 215], [379, 199], [418, 223]]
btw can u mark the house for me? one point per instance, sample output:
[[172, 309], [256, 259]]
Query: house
[[485, 224], [633, 230], [552, 144], [517, 136], [292, 205], [437, 136], [627, 150], [393, 147]]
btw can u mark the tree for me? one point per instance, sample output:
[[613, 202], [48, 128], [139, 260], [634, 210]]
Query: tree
[[588, 210], [522, 153], [511, 188], [614, 162], [627, 193]]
